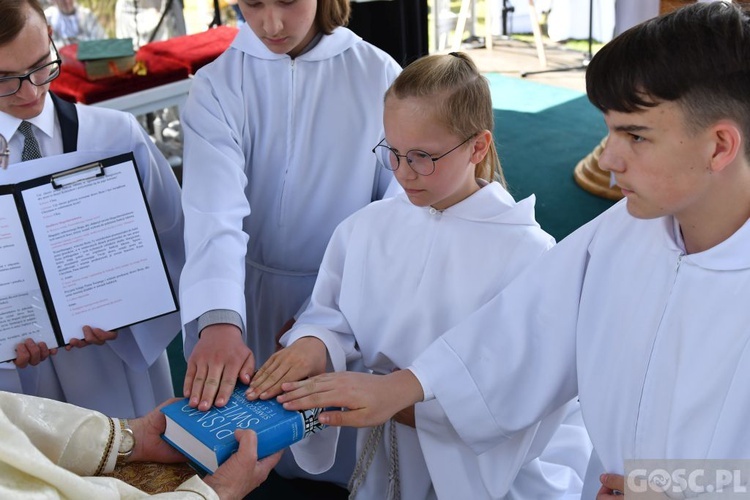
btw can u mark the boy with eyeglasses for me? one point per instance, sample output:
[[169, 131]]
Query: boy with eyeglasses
[[127, 372]]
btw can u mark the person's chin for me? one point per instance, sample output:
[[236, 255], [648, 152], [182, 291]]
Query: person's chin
[[280, 46], [418, 198], [641, 211], [29, 110]]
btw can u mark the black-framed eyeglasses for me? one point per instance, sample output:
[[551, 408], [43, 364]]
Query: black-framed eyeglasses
[[419, 161], [38, 76]]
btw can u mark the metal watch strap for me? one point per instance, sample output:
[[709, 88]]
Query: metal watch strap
[[126, 434]]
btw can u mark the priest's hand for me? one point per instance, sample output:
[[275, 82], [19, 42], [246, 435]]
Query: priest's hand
[[31, 353], [612, 488], [91, 336], [149, 445], [304, 358], [369, 400], [242, 472], [219, 358]]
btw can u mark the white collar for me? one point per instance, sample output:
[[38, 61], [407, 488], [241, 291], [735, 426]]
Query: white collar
[[729, 255], [44, 121]]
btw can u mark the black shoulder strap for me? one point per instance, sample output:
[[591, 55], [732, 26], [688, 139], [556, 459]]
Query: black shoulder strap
[[67, 115]]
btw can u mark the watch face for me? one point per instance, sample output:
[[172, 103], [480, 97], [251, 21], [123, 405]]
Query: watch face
[[128, 441]]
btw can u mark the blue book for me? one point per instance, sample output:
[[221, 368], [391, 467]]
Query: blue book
[[207, 438]]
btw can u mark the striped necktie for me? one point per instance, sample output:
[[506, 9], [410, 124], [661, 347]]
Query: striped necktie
[[31, 149]]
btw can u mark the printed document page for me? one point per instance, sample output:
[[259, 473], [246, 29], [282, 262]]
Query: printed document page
[[100, 256], [22, 310]]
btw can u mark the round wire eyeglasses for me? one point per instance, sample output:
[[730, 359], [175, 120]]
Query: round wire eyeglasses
[[419, 161]]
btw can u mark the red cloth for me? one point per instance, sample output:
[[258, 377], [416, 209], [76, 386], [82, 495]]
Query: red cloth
[[194, 51], [166, 62], [72, 85], [70, 62]]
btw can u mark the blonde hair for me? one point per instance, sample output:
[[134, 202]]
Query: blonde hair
[[462, 100]]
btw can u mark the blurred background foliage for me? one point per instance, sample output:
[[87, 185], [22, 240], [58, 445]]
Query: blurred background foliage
[[105, 10]]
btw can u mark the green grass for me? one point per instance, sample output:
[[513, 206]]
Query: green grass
[[105, 11], [582, 45]]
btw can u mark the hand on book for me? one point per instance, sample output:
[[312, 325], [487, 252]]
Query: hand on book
[[304, 358], [149, 446], [242, 472], [369, 400], [219, 358]]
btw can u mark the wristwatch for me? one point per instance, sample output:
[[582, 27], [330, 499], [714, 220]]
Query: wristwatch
[[127, 442]]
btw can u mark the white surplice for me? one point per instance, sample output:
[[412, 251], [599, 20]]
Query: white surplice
[[394, 277], [129, 376], [277, 153], [654, 341]]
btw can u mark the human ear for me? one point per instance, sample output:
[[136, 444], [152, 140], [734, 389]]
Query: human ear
[[481, 146], [727, 144]]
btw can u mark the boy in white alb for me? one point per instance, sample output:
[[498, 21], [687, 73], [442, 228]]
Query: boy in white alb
[[642, 312], [127, 374]]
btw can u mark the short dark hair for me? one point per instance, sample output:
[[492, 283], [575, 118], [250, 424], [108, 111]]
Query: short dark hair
[[331, 14], [697, 56], [13, 14]]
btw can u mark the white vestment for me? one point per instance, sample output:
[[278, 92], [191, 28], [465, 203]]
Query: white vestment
[[393, 278], [51, 450], [129, 376], [654, 342], [277, 153]]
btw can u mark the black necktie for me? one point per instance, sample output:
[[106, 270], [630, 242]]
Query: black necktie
[[31, 149]]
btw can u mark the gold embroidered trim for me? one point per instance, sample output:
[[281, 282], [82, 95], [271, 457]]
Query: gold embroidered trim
[[107, 449]]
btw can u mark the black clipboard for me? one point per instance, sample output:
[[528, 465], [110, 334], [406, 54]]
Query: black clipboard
[[62, 195]]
